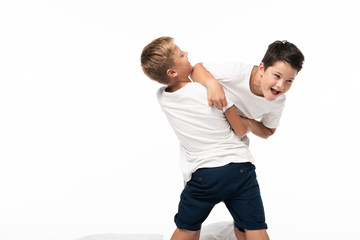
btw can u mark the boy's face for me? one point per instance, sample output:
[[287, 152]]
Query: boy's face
[[276, 80], [181, 63]]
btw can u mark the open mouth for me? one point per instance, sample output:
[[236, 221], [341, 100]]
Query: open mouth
[[274, 92]]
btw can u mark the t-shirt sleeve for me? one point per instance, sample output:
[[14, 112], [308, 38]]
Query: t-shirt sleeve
[[220, 71], [229, 73], [229, 103], [272, 120]]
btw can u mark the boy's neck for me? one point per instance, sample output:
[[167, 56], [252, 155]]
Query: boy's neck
[[255, 82], [177, 84]]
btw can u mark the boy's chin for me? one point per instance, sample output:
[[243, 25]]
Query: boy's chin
[[271, 97]]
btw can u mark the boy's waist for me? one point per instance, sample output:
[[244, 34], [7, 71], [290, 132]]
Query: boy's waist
[[235, 153], [231, 165], [190, 162]]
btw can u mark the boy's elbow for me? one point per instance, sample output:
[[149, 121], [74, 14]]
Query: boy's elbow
[[269, 133], [197, 65], [265, 136]]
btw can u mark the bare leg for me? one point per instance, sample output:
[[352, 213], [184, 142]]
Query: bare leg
[[239, 234], [181, 234], [256, 234]]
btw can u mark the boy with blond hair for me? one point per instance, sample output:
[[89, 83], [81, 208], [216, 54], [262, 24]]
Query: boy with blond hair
[[216, 164]]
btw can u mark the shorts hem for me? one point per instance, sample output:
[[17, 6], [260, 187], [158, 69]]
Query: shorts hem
[[242, 227], [187, 227]]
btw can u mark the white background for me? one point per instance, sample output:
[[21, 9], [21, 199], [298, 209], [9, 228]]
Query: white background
[[85, 148]]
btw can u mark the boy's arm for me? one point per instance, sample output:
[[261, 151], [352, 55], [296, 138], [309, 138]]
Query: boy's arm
[[238, 124], [216, 98], [215, 92], [258, 128]]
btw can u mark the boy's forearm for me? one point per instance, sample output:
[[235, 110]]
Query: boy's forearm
[[258, 129], [239, 125], [242, 126], [201, 75], [215, 92]]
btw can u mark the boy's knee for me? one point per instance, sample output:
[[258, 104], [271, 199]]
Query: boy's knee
[[239, 234]]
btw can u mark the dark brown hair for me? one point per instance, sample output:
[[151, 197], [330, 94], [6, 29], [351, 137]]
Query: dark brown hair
[[283, 51]]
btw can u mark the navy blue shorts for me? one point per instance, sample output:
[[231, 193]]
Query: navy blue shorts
[[234, 184]]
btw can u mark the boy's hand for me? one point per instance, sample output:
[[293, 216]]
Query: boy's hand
[[216, 95]]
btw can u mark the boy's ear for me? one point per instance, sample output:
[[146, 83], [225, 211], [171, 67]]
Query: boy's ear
[[261, 68], [171, 73]]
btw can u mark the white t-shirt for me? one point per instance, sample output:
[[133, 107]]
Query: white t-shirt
[[235, 79], [206, 139]]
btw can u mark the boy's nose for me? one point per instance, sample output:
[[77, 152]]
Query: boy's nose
[[281, 85]]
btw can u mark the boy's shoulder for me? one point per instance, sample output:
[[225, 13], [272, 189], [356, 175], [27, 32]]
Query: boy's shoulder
[[190, 86], [227, 64], [222, 70], [191, 90]]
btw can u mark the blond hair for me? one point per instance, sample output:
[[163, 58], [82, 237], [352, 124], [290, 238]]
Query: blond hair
[[157, 58]]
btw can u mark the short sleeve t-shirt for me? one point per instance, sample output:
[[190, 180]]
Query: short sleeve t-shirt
[[235, 79], [206, 139]]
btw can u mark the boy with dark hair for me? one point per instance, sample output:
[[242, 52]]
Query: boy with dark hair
[[257, 91]]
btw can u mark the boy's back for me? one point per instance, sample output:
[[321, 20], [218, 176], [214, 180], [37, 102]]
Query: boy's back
[[204, 133]]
